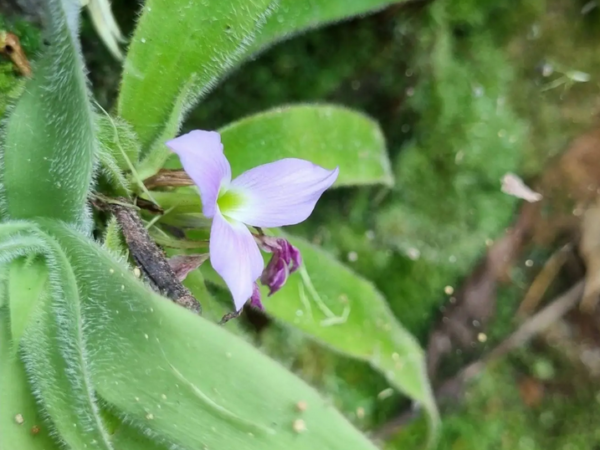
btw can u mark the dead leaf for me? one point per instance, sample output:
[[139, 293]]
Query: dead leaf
[[589, 247], [184, 264], [168, 178], [513, 185], [11, 47], [532, 392]]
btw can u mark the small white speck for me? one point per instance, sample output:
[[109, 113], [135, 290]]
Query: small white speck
[[146, 336], [529, 263], [143, 40], [481, 337], [360, 412], [149, 416], [111, 270], [163, 396], [352, 256], [301, 406], [449, 290], [137, 272], [19, 419], [413, 253], [386, 393], [299, 426]]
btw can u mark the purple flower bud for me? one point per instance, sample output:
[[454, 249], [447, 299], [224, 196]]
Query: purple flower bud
[[286, 259], [255, 299]]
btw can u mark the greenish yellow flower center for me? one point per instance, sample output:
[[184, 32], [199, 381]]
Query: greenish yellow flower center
[[229, 201]]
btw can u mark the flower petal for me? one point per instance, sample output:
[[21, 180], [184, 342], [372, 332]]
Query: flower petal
[[236, 257], [280, 193], [201, 155]]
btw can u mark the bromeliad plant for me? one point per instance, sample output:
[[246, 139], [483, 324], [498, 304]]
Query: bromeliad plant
[[92, 356]]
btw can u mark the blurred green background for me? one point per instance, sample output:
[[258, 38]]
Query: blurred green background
[[465, 91]]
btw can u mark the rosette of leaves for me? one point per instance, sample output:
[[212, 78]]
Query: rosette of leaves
[[90, 356]]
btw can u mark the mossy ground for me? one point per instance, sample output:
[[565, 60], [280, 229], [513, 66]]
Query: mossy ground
[[465, 91]]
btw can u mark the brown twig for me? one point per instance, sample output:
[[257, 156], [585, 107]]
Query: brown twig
[[453, 387], [147, 255]]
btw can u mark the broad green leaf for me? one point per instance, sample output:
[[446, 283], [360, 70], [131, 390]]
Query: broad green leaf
[[49, 142], [177, 41], [294, 16], [334, 305], [158, 151], [324, 134], [20, 420], [185, 381]]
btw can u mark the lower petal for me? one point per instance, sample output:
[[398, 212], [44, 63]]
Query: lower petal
[[235, 257]]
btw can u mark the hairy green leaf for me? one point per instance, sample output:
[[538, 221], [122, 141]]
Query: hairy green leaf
[[49, 141], [20, 420], [53, 348], [177, 42], [185, 381], [324, 134], [334, 305], [117, 138], [295, 16], [158, 151], [28, 288]]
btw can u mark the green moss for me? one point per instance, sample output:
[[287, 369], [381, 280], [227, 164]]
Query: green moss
[[495, 416]]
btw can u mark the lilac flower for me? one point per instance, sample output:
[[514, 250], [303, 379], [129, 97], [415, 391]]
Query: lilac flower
[[280, 193]]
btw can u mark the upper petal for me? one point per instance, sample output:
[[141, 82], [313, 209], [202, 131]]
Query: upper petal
[[235, 256], [201, 155], [280, 193]]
